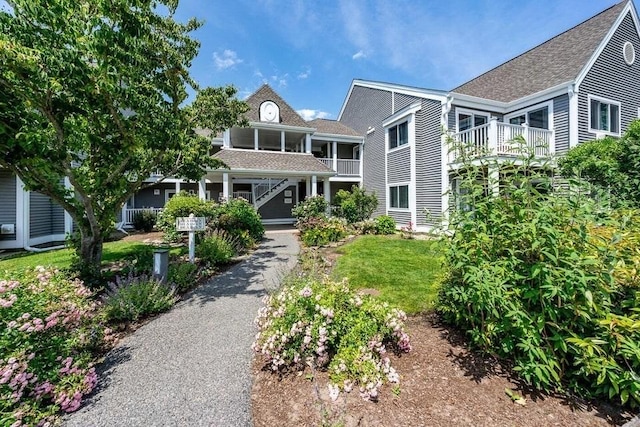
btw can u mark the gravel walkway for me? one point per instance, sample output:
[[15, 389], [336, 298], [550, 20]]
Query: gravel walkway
[[191, 366]]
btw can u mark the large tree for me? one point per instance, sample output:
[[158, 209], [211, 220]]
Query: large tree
[[92, 95]]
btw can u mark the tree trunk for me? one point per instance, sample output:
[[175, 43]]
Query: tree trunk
[[90, 256]]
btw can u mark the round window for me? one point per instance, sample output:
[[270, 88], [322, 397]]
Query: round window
[[629, 53]]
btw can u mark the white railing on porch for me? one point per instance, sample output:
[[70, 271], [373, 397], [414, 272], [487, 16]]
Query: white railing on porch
[[131, 213], [247, 195], [344, 167], [498, 139]]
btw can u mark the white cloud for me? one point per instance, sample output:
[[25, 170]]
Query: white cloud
[[308, 114], [227, 59], [358, 55], [304, 74]]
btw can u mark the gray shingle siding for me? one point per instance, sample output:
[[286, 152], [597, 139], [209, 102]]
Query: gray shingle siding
[[428, 161], [8, 205], [276, 208], [561, 123], [399, 165], [46, 217], [610, 77], [402, 218], [367, 108], [401, 100]]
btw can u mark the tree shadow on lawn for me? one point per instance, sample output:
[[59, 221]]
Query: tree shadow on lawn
[[477, 366], [260, 272]]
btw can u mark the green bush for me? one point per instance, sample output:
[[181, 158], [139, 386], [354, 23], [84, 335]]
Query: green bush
[[237, 217], [144, 221], [50, 327], [531, 281], [135, 297], [321, 231], [385, 224], [355, 205], [182, 205], [327, 325], [215, 250], [365, 227], [311, 207], [183, 276]]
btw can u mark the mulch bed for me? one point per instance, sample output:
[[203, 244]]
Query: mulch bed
[[443, 383]]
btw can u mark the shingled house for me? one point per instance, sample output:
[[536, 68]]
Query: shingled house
[[580, 85]]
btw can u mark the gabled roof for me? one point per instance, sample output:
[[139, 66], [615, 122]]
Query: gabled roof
[[288, 116], [554, 62], [332, 127], [239, 160]]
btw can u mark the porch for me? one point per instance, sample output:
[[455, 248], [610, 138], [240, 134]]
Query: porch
[[498, 139]]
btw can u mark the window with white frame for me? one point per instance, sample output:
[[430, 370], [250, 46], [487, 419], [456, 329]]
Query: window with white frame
[[398, 135], [604, 116], [537, 118], [470, 119], [399, 197]]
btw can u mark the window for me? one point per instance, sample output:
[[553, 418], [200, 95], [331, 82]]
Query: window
[[604, 115], [468, 120], [398, 135], [399, 197], [538, 118]]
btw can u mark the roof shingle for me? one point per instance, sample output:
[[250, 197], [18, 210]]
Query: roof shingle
[[247, 160], [556, 61], [332, 127], [288, 116]]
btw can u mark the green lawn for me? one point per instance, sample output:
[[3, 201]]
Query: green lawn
[[406, 272], [61, 258]]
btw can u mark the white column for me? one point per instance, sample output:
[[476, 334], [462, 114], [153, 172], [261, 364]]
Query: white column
[[334, 151], [314, 185], [225, 186], [202, 189], [255, 139], [68, 221], [308, 187], [326, 189], [307, 143], [177, 187], [361, 162], [123, 215], [493, 136], [282, 141], [226, 139], [22, 209]]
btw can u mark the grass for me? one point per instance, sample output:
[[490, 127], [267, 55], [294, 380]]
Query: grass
[[61, 258], [405, 272]]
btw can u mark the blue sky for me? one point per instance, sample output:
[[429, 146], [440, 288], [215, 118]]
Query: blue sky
[[310, 51]]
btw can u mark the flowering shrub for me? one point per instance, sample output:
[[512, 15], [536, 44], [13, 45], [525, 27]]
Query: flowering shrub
[[318, 231], [327, 325], [134, 297], [311, 207], [181, 205], [238, 217], [49, 326]]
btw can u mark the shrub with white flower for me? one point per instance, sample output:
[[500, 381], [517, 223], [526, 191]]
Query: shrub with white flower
[[48, 329], [327, 325]]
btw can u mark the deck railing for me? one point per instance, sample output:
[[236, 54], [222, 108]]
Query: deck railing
[[500, 139], [344, 167], [131, 213]]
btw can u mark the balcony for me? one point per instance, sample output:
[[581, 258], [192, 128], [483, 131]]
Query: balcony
[[343, 167], [497, 139]]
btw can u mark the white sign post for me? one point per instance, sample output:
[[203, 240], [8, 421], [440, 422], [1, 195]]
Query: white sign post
[[191, 224]]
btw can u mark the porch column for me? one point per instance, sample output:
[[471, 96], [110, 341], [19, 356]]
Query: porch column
[[68, 221], [255, 139], [314, 185], [202, 189], [225, 186], [307, 140], [494, 180], [282, 141], [326, 189], [125, 206], [493, 136], [334, 151], [308, 187], [177, 187], [226, 139]]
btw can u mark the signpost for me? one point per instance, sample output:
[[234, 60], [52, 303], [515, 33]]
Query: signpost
[[191, 224]]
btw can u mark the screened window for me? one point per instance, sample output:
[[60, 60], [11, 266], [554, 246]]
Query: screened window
[[399, 197], [398, 135], [469, 120], [536, 118], [605, 116]]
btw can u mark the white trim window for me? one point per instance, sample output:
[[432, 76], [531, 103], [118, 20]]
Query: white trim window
[[539, 116], [398, 135], [399, 196], [604, 116], [467, 119]]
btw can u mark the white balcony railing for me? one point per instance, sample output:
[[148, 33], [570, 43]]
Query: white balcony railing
[[344, 167], [131, 213], [498, 139], [247, 195]]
